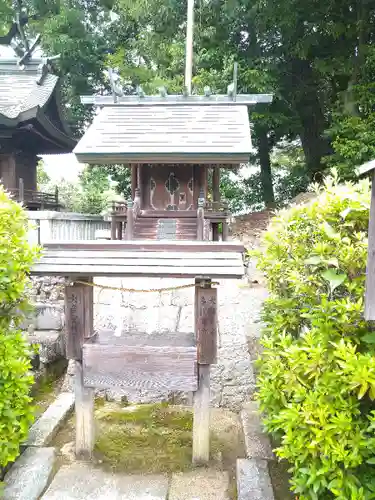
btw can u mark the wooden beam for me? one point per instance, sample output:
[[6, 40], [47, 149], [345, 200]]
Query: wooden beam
[[201, 422], [84, 416], [370, 272]]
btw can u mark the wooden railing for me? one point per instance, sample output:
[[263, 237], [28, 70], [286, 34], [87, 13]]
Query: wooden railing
[[35, 199], [217, 207]]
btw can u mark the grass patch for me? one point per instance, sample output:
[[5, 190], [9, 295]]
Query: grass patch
[[146, 438]]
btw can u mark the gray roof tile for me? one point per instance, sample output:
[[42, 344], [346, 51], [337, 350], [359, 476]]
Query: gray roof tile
[[147, 133]]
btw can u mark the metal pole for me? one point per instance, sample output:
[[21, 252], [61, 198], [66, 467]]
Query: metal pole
[[189, 45]]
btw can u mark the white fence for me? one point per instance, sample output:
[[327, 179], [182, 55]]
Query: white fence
[[63, 226]]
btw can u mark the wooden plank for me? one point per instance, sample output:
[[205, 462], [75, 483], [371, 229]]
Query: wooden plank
[[370, 272], [156, 339], [149, 245], [135, 271], [84, 416], [206, 321], [101, 261], [225, 235], [201, 422], [140, 368], [135, 256], [79, 317]]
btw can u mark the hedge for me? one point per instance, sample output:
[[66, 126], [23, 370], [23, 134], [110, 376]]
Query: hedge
[[16, 258], [316, 385]]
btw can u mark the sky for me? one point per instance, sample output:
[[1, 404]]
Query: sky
[[62, 167]]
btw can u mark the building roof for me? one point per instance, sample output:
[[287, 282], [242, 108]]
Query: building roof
[[181, 133], [29, 95], [366, 168]]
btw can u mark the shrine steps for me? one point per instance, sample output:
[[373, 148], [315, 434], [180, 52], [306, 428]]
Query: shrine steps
[[156, 228]]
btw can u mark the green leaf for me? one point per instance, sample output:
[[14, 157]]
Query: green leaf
[[369, 338], [313, 260], [334, 279], [371, 461]]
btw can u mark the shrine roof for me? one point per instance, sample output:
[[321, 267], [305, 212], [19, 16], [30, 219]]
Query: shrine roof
[[167, 134], [29, 95]]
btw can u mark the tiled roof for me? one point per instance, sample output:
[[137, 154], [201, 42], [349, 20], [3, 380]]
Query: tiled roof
[[167, 133], [19, 91]]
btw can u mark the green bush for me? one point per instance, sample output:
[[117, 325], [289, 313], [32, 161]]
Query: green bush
[[316, 384], [16, 257]]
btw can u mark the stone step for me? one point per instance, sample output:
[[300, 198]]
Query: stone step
[[201, 484], [45, 428], [81, 481], [29, 475]]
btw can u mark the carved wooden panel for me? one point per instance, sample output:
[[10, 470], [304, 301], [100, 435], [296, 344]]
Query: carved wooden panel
[[168, 187], [206, 324]]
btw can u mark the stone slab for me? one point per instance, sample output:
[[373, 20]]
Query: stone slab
[[253, 480], [29, 475], [257, 443], [201, 484], [45, 428], [81, 481]]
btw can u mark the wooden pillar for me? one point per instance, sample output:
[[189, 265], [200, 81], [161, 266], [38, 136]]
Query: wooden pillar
[[200, 219], [225, 235], [216, 184], [139, 177], [21, 190], [79, 327], [206, 338], [215, 231], [129, 221], [113, 228], [134, 179]]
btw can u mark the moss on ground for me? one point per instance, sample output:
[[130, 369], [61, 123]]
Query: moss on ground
[[146, 438]]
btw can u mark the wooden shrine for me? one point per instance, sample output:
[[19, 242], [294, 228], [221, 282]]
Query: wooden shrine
[[167, 362], [175, 147], [31, 122]]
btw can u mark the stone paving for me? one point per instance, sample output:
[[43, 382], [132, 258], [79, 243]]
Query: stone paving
[[232, 378]]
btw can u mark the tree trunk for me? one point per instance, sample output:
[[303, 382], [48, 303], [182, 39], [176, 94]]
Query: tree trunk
[[310, 112], [265, 168]]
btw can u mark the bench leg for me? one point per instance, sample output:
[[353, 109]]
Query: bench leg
[[201, 424], [84, 408]]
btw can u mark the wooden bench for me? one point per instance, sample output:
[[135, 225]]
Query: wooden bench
[[167, 362]]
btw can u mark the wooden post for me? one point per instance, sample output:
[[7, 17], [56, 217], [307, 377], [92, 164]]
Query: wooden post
[[119, 230], [201, 423], [225, 235], [21, 190], [57, 197], [216, 184], [133, 179], [84, 407], [206, 338], [113, 227], [200, 218], [129, 221], [79, 326], [215, 231]]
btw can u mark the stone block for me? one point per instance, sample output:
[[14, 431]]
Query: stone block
[[186, 321], [49, 316], [202, 484], [253, 480], [42, 432], [51, 344], [29, 475], [257, 443], [80, 480]]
